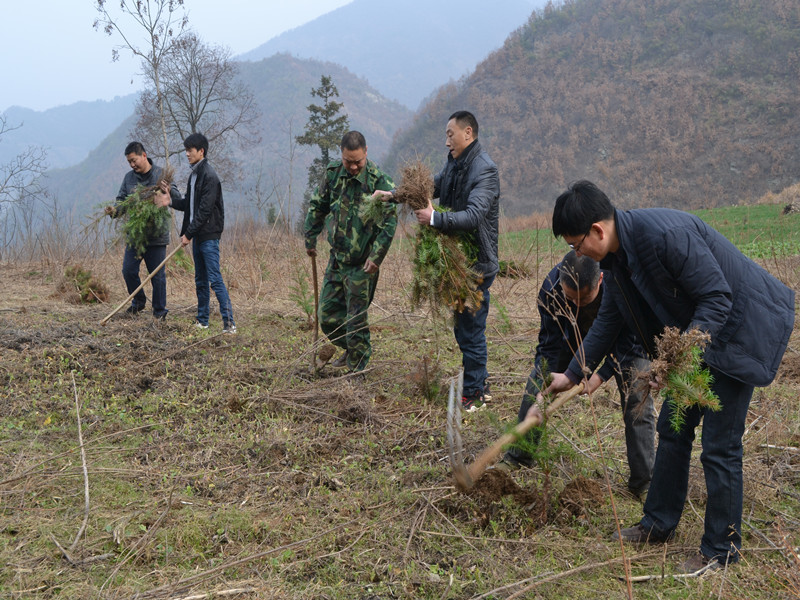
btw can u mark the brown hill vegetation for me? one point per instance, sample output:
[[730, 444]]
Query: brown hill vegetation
[[683, 103]]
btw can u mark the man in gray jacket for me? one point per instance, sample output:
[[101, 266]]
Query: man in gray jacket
[[145, 174], [668, 268], [469, 186]]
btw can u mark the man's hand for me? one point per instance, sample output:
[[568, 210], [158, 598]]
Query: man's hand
[[560, 383], [370, 267], [161, 198], [535, 411], [110, 210], [424, 214], [311, 251], [185, 241], [383, 195]]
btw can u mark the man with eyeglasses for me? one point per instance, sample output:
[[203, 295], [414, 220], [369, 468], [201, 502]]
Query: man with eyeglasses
[[668, 268], [569, 300], [358, 247]]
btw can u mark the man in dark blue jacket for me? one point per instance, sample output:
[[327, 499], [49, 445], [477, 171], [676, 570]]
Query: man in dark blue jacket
[[569, 300], [145, 174], [203, 223], [469, 186], [668, 268]]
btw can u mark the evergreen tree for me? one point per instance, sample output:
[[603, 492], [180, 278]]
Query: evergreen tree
[[324, 129]]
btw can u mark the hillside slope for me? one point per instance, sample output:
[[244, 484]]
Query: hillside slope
[[404, 49], [684, 103]]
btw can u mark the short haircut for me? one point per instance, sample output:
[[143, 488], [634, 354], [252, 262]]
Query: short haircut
[[197, 141], [353, 140], [578, 272], [465, 119], [134, 148], [579, 207]]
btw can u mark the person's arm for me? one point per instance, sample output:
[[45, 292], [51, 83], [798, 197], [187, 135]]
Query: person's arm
[[318, 208], [387, 227], [687, 258], [551, 335], [484, 190]]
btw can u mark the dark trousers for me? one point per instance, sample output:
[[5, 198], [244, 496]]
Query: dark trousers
[[153, 256], [722, 465], [470, 331]]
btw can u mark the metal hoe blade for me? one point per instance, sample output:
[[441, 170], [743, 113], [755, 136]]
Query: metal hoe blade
[[454, 444]]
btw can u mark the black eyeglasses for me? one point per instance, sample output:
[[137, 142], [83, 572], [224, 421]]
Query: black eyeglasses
[[577, 247]]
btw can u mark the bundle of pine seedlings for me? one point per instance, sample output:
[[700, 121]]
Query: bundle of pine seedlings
[[140, 218], [679, 367], [441, 271]]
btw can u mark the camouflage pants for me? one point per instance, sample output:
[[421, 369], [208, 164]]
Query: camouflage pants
[[347, 292]]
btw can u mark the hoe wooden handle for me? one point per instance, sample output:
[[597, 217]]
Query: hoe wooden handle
[[487, 456]]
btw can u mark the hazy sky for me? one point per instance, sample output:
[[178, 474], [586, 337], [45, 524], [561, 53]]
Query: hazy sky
[[51, 55]]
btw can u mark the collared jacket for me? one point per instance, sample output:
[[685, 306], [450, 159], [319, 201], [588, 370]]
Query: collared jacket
[[470, 187], [208, 220], [337, 205], [564, 326], [132, 179], [674, 270]]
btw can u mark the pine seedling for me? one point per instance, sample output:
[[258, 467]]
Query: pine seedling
[[679, 366]]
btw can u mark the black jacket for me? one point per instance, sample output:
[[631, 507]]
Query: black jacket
[[155, 237], [209, 210], [470, 186], [559, 341], [674, 270]]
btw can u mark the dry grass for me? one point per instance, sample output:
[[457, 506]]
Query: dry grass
[[219, 463]]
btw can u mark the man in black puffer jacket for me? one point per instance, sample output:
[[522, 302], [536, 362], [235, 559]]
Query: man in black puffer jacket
[[469, 186], [668, 268], [145, 174]]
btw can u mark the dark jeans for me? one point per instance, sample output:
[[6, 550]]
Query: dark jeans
[[470, 331], [638, 414], [153, 256], [722, 466], [207, 274]]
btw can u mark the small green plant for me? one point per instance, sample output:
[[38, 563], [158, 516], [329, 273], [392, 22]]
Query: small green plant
[[181, 260], [505, 322], [83, 286], [300, 294]]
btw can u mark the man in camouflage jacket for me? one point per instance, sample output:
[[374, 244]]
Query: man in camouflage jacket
[[358, 246]]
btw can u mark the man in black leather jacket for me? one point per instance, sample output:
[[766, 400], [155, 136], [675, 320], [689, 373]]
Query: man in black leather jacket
[[469, 186]]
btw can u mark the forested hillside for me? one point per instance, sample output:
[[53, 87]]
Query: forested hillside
[[684, 103]]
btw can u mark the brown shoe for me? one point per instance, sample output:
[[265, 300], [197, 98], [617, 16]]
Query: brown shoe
[[639, 535], [698, 564]]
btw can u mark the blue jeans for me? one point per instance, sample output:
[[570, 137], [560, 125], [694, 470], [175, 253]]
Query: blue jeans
[[470, 331], [207, 274], [722, 466], [153, 256]]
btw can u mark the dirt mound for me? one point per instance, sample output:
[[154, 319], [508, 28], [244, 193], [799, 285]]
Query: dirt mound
[[579, 497]]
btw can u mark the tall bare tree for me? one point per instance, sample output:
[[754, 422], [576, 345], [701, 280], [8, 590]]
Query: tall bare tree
[[162, 21], [20, 177], [200, 94]]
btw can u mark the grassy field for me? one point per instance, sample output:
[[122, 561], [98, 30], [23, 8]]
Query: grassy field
[[220, 467]]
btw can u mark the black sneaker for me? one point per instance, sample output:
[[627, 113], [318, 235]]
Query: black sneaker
[[134, 310], [228, 327], [472, 403], [487, 392], [160, 318], [200, 325]]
